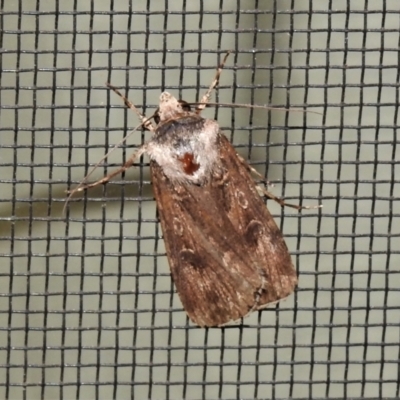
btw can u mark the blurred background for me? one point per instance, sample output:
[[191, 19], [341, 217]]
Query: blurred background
[[87, 305]]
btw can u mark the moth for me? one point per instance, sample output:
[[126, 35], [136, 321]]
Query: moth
[[227, 256]]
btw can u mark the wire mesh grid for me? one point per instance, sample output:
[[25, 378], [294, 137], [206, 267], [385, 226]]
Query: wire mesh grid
[[87, 305]]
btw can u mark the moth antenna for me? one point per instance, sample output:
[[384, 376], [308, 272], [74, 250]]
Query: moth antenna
[[145, 122], [205, 99], [264, 107]]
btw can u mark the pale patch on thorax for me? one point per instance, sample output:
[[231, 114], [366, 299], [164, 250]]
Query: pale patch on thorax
[[184, 154]]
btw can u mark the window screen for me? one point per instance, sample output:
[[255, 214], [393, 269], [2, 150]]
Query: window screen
[[88, 309]]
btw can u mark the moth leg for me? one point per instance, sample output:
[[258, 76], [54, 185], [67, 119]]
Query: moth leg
[[206, 98], [283, 203], [146, 123], [254, 171], [84, 186], [280, 201]]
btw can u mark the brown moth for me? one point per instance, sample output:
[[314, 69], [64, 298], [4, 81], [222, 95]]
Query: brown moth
[[227, 256]]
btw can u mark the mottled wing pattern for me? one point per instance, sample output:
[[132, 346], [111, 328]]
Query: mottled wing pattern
[[253, 222], [226, 254]]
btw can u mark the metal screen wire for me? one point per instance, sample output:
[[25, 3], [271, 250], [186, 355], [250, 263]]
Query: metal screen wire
[[87, 305]]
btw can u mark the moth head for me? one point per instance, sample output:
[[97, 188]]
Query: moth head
[[170, 108]]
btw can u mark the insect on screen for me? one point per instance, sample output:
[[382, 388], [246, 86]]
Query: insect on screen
[[88, 308]]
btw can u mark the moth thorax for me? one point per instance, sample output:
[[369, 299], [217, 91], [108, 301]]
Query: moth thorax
[[186, 148]]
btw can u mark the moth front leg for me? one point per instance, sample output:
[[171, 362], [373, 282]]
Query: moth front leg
[[85, 186]]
